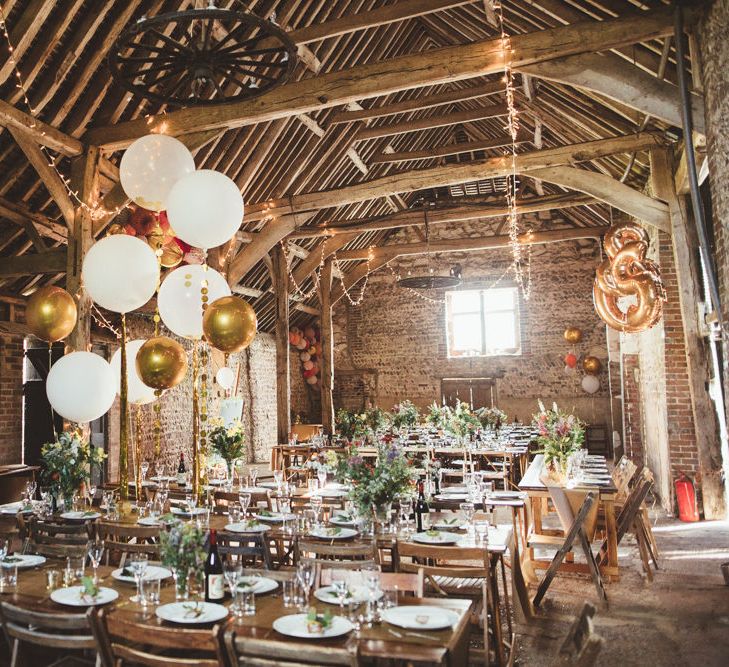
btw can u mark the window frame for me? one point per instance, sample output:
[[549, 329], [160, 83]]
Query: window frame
[[514, 311]]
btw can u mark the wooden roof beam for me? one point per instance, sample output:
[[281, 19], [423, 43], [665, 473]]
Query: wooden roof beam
[[443, 120], [40, 132], [389, 76], [20, 214], [52, 261]]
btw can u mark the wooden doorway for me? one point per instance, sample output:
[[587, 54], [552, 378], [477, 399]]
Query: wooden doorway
[[477, 392]]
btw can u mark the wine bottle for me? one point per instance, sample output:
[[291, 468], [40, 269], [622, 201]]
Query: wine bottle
[[181, 471], [422, 511], [214, 581]]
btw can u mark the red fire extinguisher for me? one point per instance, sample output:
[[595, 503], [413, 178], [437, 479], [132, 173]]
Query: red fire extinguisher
[[686, 498]]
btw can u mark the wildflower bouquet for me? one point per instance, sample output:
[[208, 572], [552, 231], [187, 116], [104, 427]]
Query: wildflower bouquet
[[68, 463], [560, 435], [405, 415], [228, 441], [182, 549], [491, 417], [351, 425], [462, 421], [438, 416]]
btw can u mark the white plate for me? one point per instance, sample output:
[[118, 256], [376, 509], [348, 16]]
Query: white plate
[[420, 617], [295, 625], [217, 482], [184, 512], [506, 495], [71, 596], [244, 528], [14, 508], [149, 521], [251, 489], [337, 486], [165, 478], [180, 612], [259, 585], [450, 490], [152, 573], [80, 516], [26, 561], [330, 493], [333, 533], [337, 520], [451, 496], [441, 525], [358, 594], [268, 485], [275, 517], [442, 537]]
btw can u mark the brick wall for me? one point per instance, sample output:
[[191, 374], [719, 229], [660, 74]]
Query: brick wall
[[632, 403], [11, 396], [393, 345]]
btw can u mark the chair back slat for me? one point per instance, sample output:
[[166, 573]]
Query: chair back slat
[[59, 540], [251, 548], [581, 645]]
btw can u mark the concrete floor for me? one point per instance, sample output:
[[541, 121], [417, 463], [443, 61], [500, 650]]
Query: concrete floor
[[681, 618]]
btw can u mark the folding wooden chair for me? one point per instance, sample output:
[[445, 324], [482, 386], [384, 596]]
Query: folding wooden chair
[[576, 531], [58, 540], [223, 499], [402, 582], [250, 548], [60, 631], [120, 540], [581, 646]]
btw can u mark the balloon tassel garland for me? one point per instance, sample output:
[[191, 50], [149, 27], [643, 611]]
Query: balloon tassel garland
[[138, 452], [124, 417], [195, 422]]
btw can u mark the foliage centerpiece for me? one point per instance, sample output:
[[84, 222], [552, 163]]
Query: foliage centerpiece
[[438, 416], [560, 435], [405, 415], [379, 483], [228, 441], [68, 463], [354, 425], [462, 421], [182, 549], [491, 417]]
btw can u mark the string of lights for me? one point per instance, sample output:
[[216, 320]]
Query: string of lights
[[521, 274], [345, 291], [316, 273], [96, 211]]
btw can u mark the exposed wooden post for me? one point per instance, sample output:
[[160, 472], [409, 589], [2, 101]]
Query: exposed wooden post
[[85, 180], [327, 347], [283, 365], [688, 274]]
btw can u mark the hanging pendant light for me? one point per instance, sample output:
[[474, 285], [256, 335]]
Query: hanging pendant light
[[431, 279]]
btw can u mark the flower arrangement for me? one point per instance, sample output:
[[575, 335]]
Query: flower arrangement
[[438, 416], [491, 417], [560, 435], [357, 425], [182, 549], [375, 484], [462, 421], [227, 441], [376, 419], [405, 415], [68, 463], [326, 461]]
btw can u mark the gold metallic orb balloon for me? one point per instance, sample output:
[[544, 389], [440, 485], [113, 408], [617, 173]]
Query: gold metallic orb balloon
[[161, 363], [229, 324], [573, 335], [51, 314], [591, 365], [171, 255]]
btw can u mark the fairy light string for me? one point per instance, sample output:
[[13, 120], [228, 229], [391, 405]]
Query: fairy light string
[[96, 211], [316, 274], [345, 291]]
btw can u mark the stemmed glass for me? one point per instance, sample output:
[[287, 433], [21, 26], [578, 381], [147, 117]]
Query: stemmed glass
[[341, 588], [96, 551], [406, 509], [4, 546], [145, 469], [253, 476], [245, 500], [278, 478], [316, 504], [191, 503], [138, 565], [160, 468], [371, 574], [468, 510], [233, 571], [322, 477], [305, 576], [30, 488]]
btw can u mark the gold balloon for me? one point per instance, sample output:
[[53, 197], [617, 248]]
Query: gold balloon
[[51, 314], [229, 324], [161, 363], [591, 365], [171, 255], [573, 335]]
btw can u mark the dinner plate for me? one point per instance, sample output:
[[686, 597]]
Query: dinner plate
[[413, 617], [245, 528], [23, 561], [330, 493], [152, 573], [455, 525], [257, 585], [274, 517], [451, 496], [191, 612], [443, 537], [163, 478], [337, 533], [506, 495], [450, 490], [251, 489], [342, 520], [14, 508], [296, 625], [268, 485], [80, 516], [354, 594], [337, 486], [179, 511], [159, 521], [72, 596]]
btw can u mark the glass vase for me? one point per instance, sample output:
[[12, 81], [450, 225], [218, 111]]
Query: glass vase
[[182, 589], [382, 516]]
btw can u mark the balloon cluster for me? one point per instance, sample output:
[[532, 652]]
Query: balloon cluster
[[627, 273], [590, 365], [308, 344]]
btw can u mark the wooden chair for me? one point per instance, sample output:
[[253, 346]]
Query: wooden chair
[[121, 540], [13, 529], [59, 540], [402, 582], [223, 499], [249, 548], [326, 551], [60, 631], [249, 652], [581, 646], [123, 642]]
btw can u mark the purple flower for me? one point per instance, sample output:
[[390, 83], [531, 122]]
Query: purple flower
[[355, 461]]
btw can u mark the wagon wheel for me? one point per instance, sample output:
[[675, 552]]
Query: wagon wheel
[[202, 56]]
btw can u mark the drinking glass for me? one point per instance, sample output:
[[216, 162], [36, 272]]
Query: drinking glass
[[278, 478], [321, 475], [316, 505], [247, 602], [150, 592], [253, 476], [481, 527], [290, 592], [96, 551], [234, 514], [305, 575], [371, 576], [312, 486], [138, 565], [309, 517], [53, 579], [232, 570], [341, 588], [77, 566], [285, 491], [245, 500], [202, 518], [8, 576], [468, 510], [4, 546], [284, 506]]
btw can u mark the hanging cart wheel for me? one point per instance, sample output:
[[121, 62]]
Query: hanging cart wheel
[[202, 56]]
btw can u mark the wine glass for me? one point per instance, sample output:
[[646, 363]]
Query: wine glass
[[245, 500], [96, 551], [191, 503], [468, 510], [145, 469], [30, 488], [305, 575], [321, 475], [161, 470], [341, 588], [232, 570], [316, 505], [253, 476], [4, 546], [278, 478], [138, 565]]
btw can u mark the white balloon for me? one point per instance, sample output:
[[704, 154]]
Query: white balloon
[[151, 166], [80, 387], [138, 393], [590, 384], [120, 273], [225, 377], [205, 208], [180, 298]]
